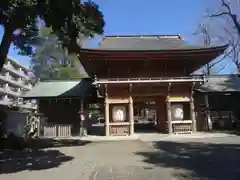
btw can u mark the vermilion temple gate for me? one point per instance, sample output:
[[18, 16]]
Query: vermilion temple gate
[[131, 69]]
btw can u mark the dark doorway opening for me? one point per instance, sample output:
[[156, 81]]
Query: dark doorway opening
[[145, 116]]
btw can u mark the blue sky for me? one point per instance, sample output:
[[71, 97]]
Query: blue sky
[[150, 17]]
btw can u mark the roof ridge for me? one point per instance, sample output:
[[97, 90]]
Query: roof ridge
[[178, 36], [68, 80], [144, 36], [223, 75]]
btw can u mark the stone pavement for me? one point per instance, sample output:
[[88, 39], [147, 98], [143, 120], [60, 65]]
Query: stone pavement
[[94, 161], [128, 160]]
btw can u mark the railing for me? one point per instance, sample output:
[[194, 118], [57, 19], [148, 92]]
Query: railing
[[182, 127], [25, 105], [151, 80], [11, 80], [14, 79], [2, 88], [57, 130], [50, 130], [13, 91], [12, 69]]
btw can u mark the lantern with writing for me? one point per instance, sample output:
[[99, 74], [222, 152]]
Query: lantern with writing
[[177, 112], [119, 113]]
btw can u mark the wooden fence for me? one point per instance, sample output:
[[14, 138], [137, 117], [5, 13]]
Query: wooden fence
[[182, 127], [223, 119], [57, 130]]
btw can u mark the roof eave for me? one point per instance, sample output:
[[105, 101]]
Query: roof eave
[[215, 91], [53, 97], [187, 50]]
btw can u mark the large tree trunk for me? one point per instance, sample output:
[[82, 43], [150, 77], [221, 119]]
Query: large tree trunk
[[5, 45]]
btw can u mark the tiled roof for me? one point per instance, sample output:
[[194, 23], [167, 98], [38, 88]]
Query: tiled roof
[[229, 83], [145, 42], [61, 89]]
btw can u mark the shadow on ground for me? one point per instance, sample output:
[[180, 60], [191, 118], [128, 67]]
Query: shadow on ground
[[49, 143], [16, 161], [39, 143], [19, 155], [196, 160]]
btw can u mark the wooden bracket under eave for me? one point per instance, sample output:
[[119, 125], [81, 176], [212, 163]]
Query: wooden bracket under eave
[[192, 88], [169, 88], [106, 92], [130, 88]]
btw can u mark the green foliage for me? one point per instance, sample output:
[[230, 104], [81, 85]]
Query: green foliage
[[12, 61], [69, 20], [69, 73], [50, 61]]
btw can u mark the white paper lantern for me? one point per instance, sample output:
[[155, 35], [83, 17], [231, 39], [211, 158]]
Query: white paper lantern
[[178, 113], [119, 113]]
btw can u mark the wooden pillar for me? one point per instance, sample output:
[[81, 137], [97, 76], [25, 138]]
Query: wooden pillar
[[193, 115], [169, 116], [131, 115], [208, 117], [106, 117], [158, 116], [83, 127]]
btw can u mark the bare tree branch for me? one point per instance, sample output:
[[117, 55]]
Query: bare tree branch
[[222, 68], [219, 14], [208, 69], [226, 5], [230, 30], [230, 14]]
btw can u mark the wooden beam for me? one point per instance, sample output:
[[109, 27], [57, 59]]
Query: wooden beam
[[130, 88], [105, 90], [107, 130], [118, 100], [193, 115], [131, 115], [150, 80], [169, 116], [83, 128], [148, 54], [148, 94], [208, 117], [169, 87]]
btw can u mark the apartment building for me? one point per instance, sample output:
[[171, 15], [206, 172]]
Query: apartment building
[[14, 81]]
